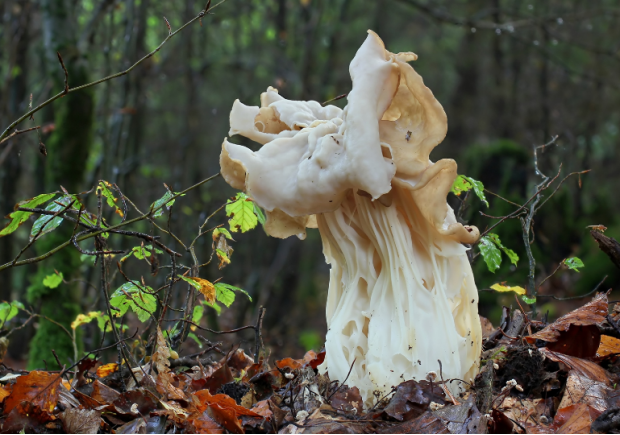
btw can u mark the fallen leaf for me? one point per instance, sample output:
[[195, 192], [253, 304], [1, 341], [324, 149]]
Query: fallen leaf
[[580, 389], [106, 370], [464, 418], [239, 360], [609, 346], [427, 423], [574, 419], [590, 314], [218, 378], [500, 423], [137, 426], [291, 363], [204, 424], [223, 410], [81, 420], [413, 398], [4, 393], [104, 394], [581, 367], [38, 388], [348, 400], [26, 417], [607, 422], [161, 356]]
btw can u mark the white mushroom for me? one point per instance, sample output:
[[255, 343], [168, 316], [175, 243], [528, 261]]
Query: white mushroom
[[401, 293]]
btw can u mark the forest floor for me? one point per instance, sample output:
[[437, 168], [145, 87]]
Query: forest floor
[[534, 378]]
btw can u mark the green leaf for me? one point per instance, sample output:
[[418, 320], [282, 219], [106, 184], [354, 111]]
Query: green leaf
[[463, 183], [573, 263], [195, 338], [460, 185], [512, 255], [161, 201], [197, 314], [54, 222], [19, 217], [53, 280], [478, 189], [491, 255], [224, 231], [241, 213], [259, 214], [214, 305], [225, 293], [529, 301], [141, 252], [141, 303], [9, 310]]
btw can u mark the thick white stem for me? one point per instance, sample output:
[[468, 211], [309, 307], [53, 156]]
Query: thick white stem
[[401, 297]]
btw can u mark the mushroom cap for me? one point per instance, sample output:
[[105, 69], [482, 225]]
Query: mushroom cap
[[313, 155]]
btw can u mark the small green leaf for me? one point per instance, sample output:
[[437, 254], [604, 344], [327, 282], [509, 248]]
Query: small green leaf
[[141, 303], [141, 252], [491, 255], [259, 214], [197, 314], [19, 217], [573, 263], [9, 310], [478, 189], [53, 280], [529, 301], [213, 305], [195, 338], [224, 231], [161, 201], [241, 213], [225, 293], [460, 185], [512, 255]]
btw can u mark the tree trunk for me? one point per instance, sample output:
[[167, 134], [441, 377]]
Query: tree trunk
[[67, 149]]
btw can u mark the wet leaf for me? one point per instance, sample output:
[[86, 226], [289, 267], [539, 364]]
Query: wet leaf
[[588, 315], [427, 423], [575, 419], [104, 394], [161, 356], [38, 388], [204, 286], [464, 418], [27, 417], [490, 254], [240, 210], [48, 223], [512, 256], [104, 188], [163, 200], [218, 378], [580, 389], [293, 364], [19, 217], [141, 252], [348, 400], [581, 367], [609, 346]]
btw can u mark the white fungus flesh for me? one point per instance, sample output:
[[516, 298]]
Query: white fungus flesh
[[401, 293]]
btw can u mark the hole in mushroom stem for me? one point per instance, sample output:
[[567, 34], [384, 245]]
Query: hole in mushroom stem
[[386, 151], [376, 262], [364, 193], [365, 328], [425, 284], [349, 328]]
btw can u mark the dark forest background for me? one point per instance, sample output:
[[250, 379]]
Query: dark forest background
[[510, 74]]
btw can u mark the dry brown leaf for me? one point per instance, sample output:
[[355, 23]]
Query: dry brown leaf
[[609, 346], [590, 314], [291, 363], [81, 420], [580, 389], [106, 370], [206, 288], [38, 388], [581, 367], [104, 394], [161, 356], [223, 409], [4, 393], [575, 419]]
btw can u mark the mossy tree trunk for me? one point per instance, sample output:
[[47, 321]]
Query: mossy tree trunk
[[68, 148]]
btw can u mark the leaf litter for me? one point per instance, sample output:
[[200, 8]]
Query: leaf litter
[[533, 379]]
